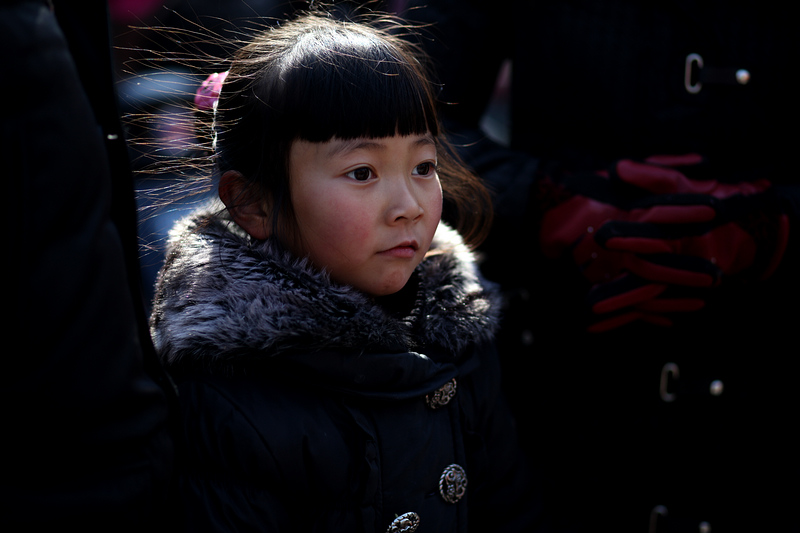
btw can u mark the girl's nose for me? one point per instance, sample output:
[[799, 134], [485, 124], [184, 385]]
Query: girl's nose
[[403, 202]]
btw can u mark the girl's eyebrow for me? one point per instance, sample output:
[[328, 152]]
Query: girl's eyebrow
[[345, 147], [340, 147], [426, 139]]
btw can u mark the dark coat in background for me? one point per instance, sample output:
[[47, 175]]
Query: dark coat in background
[[308, 406], [85, 402], [682, 428]]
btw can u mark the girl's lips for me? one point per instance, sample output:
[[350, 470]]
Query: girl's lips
[[405, 250]]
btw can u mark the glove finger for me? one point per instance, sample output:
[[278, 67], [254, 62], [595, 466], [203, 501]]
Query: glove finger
[[683, 270], [660, 180], [625, 291], [638, 245], [646, 238], [680, 160], [668, 180], [674, 209], [614, 322], [618, 321]]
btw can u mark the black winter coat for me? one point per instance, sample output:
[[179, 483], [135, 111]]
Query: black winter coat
[[308, 406], [676, 429]]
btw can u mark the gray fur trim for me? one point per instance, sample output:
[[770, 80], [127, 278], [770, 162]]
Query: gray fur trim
[[222, 299]]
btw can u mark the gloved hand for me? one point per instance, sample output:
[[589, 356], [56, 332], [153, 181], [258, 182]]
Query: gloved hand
[[629, 298], [648, 222]]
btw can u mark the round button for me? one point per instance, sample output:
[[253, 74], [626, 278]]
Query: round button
[[442, 395], [405, 523], [453, 483], [742, 76], [716, 387]]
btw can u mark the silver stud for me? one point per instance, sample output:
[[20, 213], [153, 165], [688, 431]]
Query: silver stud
[[742, 76], [442, 395], [405, 523], [716, 387], [453, 483], [705, 527]]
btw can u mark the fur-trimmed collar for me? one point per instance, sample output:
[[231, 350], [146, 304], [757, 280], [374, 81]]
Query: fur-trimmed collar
[[223, 301]]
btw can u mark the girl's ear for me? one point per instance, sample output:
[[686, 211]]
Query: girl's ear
[[249, 213]]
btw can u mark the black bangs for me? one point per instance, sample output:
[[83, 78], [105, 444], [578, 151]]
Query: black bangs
[[317, 79], [349, 85]]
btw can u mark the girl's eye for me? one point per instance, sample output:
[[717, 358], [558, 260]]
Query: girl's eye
[[360, 174], [424, 169]]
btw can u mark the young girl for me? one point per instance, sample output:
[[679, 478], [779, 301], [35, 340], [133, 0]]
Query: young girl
[[331, 337]]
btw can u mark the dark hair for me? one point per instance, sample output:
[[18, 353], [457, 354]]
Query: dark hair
[[315, 78]]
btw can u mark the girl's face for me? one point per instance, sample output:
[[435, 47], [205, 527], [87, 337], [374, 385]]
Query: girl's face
[[366, 209]]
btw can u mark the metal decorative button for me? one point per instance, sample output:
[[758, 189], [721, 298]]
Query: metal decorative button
[[442, 395], [742, 76], [405, 523], [453, 483], [716, 387]]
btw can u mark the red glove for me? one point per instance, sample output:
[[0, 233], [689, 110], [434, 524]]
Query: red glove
[[629, 298], [649, 220]]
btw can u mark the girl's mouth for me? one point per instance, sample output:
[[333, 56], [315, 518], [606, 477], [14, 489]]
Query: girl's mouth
[[404, 250]]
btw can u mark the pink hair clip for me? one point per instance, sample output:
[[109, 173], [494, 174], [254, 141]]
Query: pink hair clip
[[208, 94]]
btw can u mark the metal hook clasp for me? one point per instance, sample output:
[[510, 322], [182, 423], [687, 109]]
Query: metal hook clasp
[[670, 369], [692, 87], [658, 510]]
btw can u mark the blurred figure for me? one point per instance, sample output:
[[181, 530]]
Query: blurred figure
[[86, 403], [646, 238]]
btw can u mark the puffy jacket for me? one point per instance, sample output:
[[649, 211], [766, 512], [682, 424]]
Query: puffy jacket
[[309, 406]]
